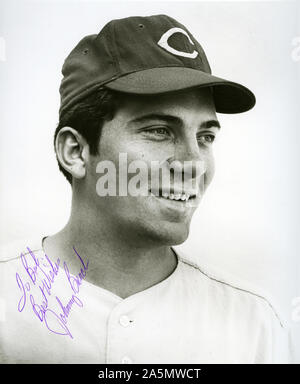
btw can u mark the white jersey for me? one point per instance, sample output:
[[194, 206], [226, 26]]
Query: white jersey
[[50, 316]]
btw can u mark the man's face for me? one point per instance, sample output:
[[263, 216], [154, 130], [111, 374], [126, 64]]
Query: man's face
[[164, 128]]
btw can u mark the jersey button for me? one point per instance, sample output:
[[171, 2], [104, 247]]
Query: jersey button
[[126, 360], [124, 320]]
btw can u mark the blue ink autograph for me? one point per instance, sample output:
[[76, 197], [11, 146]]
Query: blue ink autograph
[[46, 271]]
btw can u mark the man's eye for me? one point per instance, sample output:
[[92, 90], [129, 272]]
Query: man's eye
[[205, 139], [159, 131]]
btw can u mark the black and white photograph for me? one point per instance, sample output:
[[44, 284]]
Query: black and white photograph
[[150, 183]]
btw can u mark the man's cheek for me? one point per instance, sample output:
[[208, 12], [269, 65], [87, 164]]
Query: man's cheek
[[209, 174]]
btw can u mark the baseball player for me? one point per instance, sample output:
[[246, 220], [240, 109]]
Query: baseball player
[[109, 287]]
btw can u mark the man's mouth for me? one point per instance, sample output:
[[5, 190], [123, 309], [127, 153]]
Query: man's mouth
[[174, 195]]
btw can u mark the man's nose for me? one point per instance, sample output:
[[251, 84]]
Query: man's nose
[[188, 159]]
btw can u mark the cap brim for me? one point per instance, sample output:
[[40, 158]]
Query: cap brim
[[229, 97]]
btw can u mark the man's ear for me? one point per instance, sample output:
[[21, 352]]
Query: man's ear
[[72, 151]]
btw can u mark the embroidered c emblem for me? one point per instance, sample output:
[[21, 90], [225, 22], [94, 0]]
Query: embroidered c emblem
[[163, 42]]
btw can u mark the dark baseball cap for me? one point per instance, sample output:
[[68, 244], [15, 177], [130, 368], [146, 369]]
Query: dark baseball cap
[[147, 56]]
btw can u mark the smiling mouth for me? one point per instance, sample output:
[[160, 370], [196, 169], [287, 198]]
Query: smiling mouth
[[175, 196]]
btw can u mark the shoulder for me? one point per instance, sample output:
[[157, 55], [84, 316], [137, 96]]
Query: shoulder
[[11, 258], [232, 292], [14, 260], [12, 251]]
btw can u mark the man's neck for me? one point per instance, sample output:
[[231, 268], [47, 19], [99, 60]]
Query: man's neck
[[113, 264]]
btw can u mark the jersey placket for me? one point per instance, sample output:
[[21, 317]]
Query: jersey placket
[[121, 332]]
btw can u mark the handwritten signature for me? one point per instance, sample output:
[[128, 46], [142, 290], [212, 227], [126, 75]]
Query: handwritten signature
[[42, 274]]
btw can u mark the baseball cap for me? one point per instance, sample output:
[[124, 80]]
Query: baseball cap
[[146, 56]]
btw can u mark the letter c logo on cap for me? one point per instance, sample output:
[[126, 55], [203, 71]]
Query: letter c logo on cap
[[163, 42]]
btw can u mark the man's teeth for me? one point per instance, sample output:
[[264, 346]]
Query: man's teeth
[[172, 196]]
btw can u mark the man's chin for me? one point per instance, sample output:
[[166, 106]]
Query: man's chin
[[172, 234]]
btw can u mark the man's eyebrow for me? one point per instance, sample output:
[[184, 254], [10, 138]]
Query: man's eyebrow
[[210, 124], [173, 119], [157, 116]]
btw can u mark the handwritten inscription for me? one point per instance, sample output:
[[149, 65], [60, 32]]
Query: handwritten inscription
[[42, 274]]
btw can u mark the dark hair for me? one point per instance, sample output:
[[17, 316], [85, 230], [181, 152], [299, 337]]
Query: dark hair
[[87, 117]]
